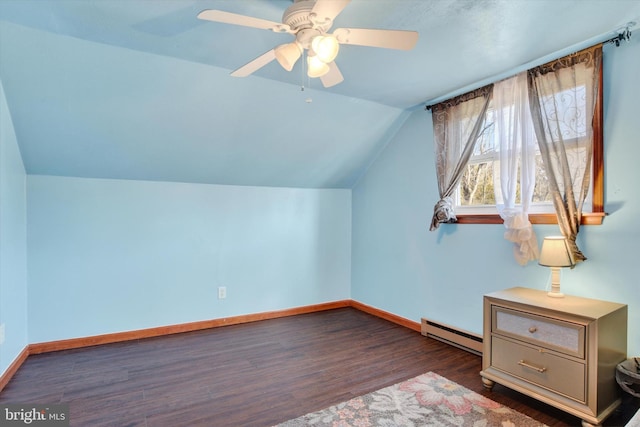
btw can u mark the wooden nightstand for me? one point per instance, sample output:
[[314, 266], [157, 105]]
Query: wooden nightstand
[[561, 351]]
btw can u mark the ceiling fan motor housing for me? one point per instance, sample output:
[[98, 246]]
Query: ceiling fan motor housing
[[299, 16]]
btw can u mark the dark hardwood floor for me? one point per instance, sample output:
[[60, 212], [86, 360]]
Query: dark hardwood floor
[[254, 374]]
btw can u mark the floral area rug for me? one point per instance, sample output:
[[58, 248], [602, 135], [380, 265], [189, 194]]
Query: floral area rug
[[426, 400]]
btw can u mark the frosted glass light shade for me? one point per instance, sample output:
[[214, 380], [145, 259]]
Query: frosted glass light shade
[[288, 54], [325, 47], [316, 68]]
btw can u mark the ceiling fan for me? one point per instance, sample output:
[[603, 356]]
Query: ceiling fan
[[309, 22]]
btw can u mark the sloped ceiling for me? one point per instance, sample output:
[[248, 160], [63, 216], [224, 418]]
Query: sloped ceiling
[[140, 89]]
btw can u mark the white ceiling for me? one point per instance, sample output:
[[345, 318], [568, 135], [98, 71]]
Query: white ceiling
[[140, 89]]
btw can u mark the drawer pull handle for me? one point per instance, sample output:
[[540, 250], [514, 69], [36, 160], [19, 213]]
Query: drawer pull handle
[[533, 329], [535, 368]]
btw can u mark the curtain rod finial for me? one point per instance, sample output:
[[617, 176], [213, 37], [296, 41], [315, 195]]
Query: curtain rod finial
[[624, 33]]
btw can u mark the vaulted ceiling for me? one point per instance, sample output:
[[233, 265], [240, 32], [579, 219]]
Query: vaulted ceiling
[[140, 89]]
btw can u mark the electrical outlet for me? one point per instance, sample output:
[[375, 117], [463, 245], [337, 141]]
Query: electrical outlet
[[1, 333], [222, 292]]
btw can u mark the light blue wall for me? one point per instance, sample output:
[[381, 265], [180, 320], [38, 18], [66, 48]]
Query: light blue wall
[[400, 266], [113, 255], [13, 240]]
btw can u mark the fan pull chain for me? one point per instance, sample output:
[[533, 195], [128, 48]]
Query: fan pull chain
[[308, 100]]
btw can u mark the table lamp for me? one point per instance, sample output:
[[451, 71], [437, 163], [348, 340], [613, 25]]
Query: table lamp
[[555, 253]]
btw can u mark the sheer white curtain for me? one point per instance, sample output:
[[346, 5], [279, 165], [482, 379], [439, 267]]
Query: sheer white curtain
[[562, 98], [457, 123], [516, 143]]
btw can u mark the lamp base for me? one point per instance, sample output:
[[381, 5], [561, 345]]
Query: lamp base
[[554, 294], [555, 284]]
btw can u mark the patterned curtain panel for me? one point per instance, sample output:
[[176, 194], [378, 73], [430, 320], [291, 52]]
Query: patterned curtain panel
[[562, 96], [457, 123]]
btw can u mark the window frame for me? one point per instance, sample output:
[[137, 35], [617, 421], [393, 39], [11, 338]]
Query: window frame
[[596, 216]]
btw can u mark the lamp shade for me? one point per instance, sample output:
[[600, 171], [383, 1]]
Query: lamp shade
[[325, 47], [288, 54], [555, 252]]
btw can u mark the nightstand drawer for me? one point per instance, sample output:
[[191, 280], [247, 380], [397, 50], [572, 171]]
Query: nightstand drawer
[[564, 337], [546, 370]]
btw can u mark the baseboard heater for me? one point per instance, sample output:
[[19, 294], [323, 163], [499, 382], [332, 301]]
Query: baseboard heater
[[453, 336]]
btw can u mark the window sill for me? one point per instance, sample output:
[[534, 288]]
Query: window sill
[[588, 218]]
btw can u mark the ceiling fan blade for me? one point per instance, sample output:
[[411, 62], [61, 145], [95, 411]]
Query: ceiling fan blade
[[333, 77], [247, 21], [390, 39], [255, 65], [328, 9]]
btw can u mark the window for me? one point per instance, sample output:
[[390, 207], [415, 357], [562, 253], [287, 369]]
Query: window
[[475, 200]]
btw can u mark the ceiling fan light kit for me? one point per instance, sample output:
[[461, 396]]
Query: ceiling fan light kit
[[309, 22]]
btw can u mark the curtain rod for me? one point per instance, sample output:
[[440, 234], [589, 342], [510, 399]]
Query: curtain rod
[[623, 35]]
